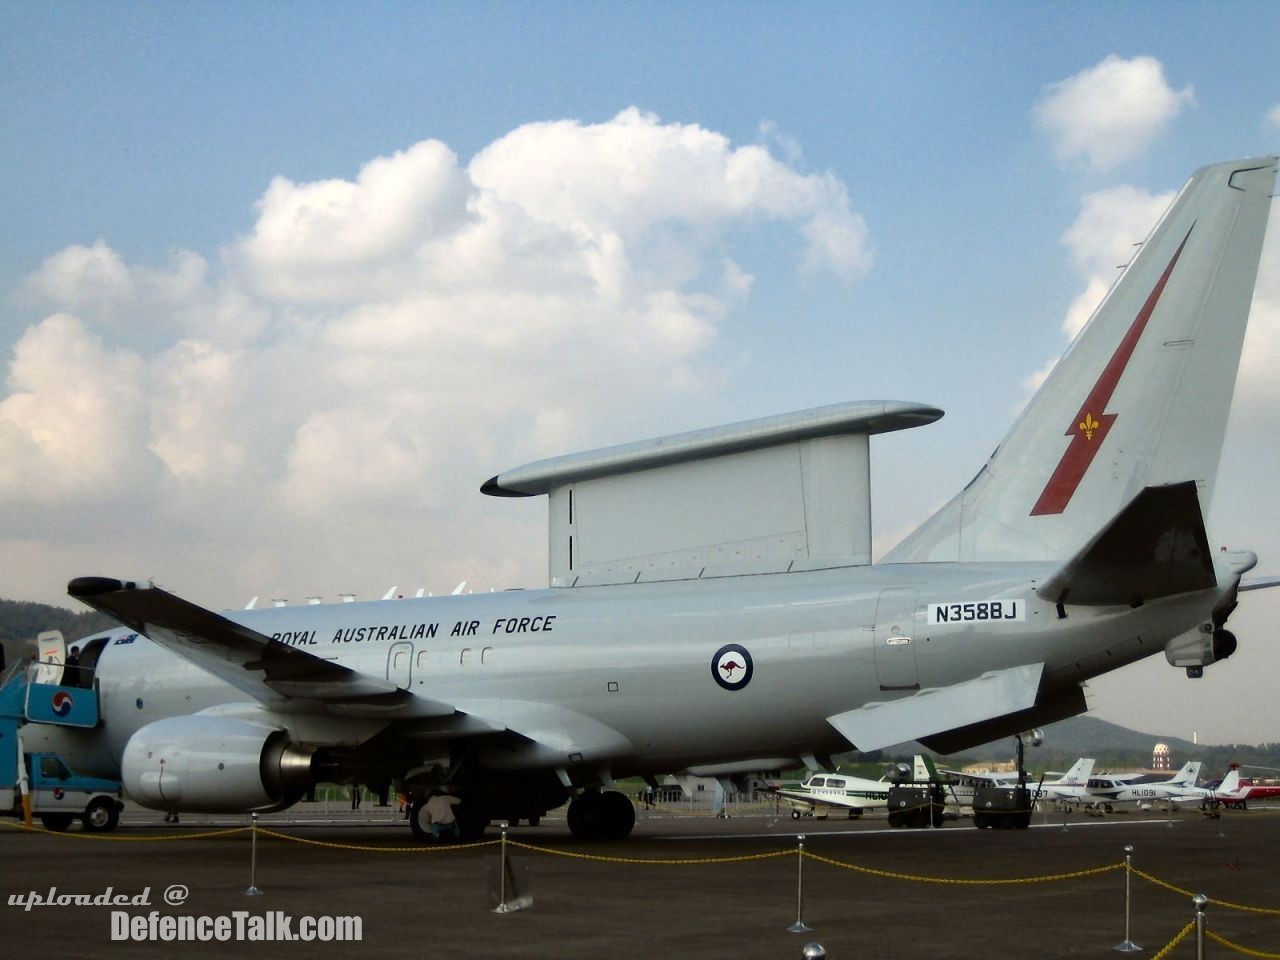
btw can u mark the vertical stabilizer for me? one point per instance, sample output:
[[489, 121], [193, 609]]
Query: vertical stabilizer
[[1141, 397]]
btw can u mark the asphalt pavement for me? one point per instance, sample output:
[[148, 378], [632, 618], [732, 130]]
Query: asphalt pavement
[[681, 886]]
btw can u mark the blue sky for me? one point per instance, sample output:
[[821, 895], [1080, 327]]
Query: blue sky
[[141, 143]]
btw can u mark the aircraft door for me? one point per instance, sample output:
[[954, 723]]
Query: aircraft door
[[400, 664], [893, 639]]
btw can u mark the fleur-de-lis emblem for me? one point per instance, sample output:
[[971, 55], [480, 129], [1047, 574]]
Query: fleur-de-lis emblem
[[1088, 425]]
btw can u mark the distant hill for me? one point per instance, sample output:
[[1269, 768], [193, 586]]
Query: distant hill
[[1112, 746], [20, 621]]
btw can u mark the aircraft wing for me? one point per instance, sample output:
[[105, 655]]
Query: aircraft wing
[[271, 672]]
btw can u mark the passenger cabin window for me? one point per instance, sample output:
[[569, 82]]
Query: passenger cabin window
[[835, 782], [464, 656], [486, 654], [422, 659]]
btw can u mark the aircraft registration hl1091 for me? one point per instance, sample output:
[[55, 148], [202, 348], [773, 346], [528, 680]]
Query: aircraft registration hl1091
[[713, 607]]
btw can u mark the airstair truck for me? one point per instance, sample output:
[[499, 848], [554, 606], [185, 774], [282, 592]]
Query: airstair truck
[[43, 783]]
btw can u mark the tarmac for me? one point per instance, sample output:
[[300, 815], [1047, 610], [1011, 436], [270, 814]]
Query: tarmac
[[681, 886]]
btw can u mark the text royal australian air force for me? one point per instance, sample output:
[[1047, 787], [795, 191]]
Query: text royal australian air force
[[379, 632]]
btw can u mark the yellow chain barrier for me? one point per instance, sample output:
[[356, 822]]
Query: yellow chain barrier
[[115, 839], [1168, 947], [377, 848], [1269, 911], [917, 878], [1239, 949], [685, 861]]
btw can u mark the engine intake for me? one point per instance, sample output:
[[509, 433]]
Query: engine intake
[[213, 764]]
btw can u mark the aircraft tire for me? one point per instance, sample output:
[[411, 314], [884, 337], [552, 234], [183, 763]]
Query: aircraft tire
[[619, 816], [795, 814], [471, 824], [101, 816], [895, 819], [584, 815], [57, 822]]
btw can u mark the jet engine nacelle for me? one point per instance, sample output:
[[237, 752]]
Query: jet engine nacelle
[[1200, 647], [214, 764]]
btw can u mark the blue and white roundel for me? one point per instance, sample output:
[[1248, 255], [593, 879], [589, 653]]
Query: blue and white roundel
[[62, 703], [732, 666]]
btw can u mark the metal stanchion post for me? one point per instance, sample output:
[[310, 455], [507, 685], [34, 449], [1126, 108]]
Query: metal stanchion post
[[1199, 901], [502, 876], [1127, 945], [800, 926], [253, 890], [814, 951], [1170, 824]]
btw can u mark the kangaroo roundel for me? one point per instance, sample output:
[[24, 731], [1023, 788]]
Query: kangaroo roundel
[[732, 666]]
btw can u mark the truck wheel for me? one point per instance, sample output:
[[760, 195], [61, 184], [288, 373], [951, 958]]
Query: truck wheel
[[56, 821], [101, 816], [795, 814]]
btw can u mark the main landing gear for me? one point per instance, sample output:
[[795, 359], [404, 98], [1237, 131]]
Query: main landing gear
[[601, 816]]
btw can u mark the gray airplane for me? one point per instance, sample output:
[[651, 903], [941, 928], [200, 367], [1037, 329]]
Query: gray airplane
[[713, 607]]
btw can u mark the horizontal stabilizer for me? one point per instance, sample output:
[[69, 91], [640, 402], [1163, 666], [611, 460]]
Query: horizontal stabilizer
[[1155, 547], [940, 709]]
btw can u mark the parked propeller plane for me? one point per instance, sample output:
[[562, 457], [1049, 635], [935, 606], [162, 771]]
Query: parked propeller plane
[[819, 793], [712, 603]]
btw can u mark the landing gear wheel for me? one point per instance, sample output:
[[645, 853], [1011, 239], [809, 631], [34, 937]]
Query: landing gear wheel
[[471, 823], [795, 814], [601, 816], [56, 821], [101, 816], [619, 816]]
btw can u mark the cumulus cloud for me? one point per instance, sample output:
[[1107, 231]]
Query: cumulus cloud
[[1110, 112], [1273, 116], [324, 399], [1105, 236]]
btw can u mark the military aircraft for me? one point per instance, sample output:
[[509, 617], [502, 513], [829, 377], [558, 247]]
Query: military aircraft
[[712, 602]]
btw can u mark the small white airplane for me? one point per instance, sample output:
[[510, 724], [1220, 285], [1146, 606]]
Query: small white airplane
[[1066, 787], [712, 602], [1107, 791], [821, 792]]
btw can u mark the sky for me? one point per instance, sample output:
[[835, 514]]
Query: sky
[[282, 284]]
